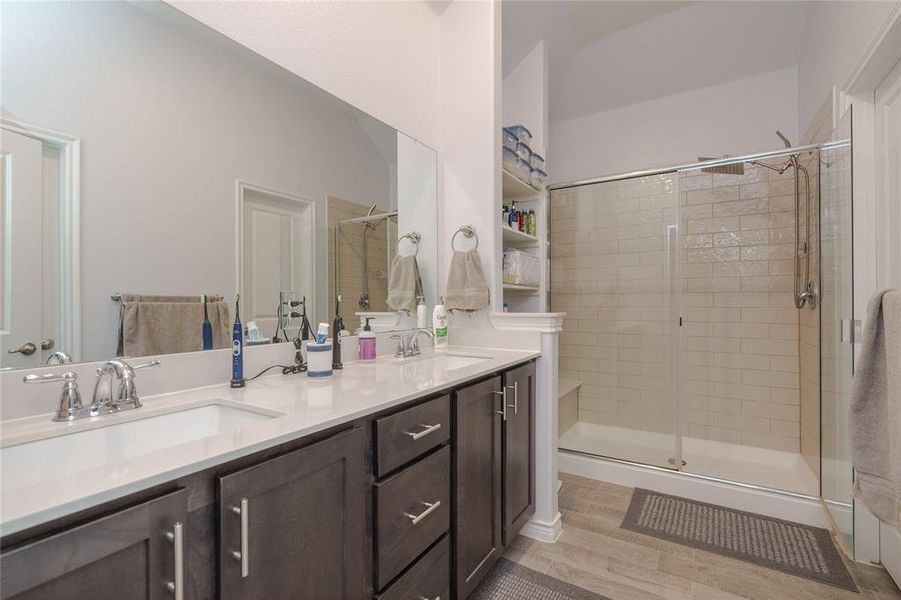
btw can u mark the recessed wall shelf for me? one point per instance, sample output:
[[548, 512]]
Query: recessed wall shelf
[[514, 187], [515, 287], [514, 236]]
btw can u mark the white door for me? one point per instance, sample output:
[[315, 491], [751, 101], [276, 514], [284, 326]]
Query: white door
[[21, 247], [276, 255], [888, 191]]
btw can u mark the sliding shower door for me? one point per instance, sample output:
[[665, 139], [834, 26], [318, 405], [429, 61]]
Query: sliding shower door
[[615, 263]]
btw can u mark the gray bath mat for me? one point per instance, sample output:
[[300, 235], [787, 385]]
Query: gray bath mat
[[792, 548], [508, 580]]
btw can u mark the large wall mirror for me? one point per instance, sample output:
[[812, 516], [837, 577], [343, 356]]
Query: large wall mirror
[[150, 163]]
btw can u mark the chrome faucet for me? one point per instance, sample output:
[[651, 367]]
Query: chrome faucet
[[70, 404], [60, 357], [126, 396], [408, 342]]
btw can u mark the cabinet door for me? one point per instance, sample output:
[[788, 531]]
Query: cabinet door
[[477, 472], [294, 526], [136, 553], [519, 449]]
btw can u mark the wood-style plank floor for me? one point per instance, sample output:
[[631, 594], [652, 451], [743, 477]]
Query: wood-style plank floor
[[595, 554]]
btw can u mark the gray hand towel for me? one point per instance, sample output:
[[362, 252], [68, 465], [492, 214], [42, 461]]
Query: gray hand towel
[[152, 325], [404, 284], [467, 290], [875, 416]]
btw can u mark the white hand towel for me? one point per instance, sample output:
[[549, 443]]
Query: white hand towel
[[875, 418], [467, 290]]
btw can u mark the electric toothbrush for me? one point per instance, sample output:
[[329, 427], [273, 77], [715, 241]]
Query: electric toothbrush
[[207, 327], [237, 347]]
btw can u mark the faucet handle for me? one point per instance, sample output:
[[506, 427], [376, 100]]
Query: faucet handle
[[51, 377], [69, 399], [148, 364]]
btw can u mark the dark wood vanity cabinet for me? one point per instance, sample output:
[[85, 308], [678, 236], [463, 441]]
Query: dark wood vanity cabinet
[[477, 483], [135, 553], [294, 526], [518, 449], [417, 501]]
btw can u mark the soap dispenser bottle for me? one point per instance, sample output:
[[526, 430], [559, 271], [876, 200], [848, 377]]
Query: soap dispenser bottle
[[367, 342]]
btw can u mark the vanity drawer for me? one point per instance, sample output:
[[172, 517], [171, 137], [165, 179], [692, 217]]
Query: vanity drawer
[[412, 510], [428, 578], [403, 436]]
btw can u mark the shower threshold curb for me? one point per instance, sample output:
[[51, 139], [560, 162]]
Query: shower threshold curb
[[791, 506]]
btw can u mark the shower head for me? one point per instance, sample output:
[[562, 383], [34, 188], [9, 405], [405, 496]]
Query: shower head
[[784, 139]]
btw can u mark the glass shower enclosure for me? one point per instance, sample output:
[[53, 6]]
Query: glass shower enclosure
[[698, 300]]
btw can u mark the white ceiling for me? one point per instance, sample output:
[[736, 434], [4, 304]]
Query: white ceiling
[[606, 54]]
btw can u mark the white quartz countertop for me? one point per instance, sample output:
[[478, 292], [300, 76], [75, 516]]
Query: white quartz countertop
[[297, 405]]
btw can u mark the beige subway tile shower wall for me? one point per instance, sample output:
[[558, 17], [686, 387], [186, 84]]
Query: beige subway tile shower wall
[[740, 328], [610, 274], [350, 255]]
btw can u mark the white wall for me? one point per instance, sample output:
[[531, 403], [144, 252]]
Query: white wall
[[731, 118], [169, 120], [525, 96], [836, 38], [382, 57], [417, 181], [470, 148]]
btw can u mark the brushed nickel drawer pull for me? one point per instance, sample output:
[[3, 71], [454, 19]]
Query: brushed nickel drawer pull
[[515, 397], [177, 537], [503, 394], [421, 597], [421, 434], [243, 555], [432, 507]]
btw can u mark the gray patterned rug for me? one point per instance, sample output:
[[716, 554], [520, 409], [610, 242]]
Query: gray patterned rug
[[508, 580], [792, 548]]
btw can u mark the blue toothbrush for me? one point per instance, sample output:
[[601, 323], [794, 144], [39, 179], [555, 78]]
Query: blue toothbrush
[[207, 327], [237, 347]]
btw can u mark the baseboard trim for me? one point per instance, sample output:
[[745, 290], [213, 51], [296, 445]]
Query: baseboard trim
[[543, 531]]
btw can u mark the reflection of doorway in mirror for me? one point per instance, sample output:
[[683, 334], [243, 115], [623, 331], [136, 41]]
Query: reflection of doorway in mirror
[[276, 252], [39, 225]]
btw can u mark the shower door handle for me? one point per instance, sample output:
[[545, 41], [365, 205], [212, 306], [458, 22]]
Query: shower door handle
[[851, 331]]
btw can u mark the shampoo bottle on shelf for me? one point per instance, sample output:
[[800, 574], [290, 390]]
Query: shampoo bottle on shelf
[[439, 323]]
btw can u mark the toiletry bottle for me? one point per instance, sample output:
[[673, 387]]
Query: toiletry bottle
[[237, 347], [322, 333], [207, 327], [367, 342], [337, 326], [439, 323], [421, 319]]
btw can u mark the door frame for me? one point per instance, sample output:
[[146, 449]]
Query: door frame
[[859, 92], [242, 187], [69, 148]]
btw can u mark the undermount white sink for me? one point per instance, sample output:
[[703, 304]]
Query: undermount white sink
[[448, 360], [123, 437]]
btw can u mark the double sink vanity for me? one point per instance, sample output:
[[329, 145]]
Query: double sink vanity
[[393, 479]]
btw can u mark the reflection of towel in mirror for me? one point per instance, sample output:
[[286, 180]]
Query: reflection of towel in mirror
[[404, 284], [467, 290], [876, 410], [150, 325]]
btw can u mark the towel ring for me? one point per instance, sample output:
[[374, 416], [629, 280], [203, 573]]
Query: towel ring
[[468, 231], [414, 238]]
